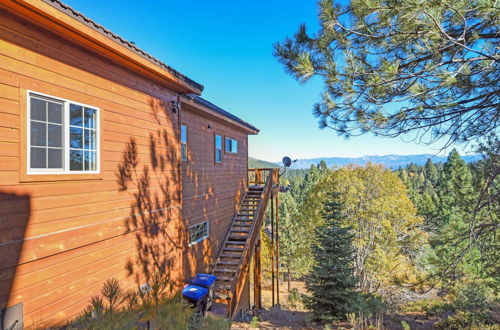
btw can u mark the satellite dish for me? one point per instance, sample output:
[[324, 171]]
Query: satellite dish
[[287, 161]]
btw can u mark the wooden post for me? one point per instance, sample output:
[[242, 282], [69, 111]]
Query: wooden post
[[258, 176], [257, 277], [272, 248], [277, 256]]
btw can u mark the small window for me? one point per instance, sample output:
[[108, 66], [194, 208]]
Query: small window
[[231, 145], [63, 136], [218, 148], [184, 139], [198, 233]]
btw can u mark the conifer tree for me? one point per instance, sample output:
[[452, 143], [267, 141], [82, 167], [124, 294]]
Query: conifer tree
[[437, 61], [431, 171], [455, 190], [294, 258], [452, 256], [332, 281]]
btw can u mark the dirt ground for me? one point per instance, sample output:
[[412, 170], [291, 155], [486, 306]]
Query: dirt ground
[[284, 317]]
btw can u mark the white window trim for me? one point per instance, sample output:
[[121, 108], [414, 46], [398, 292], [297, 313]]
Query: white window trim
[[202, 238], [65, 147]]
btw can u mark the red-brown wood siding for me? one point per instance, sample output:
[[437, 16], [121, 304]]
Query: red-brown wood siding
[[211, 191], [61, 238]]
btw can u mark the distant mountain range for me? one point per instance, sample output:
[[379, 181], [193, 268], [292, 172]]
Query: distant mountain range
[[257, 163], [389, 161]]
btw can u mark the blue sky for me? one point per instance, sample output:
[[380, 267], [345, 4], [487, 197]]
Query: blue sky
[[227, 46]]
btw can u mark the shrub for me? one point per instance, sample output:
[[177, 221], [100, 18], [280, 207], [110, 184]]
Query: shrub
[[293, 298], [474, 296], [174, 314], [213, 323], [115, 308], [465, 320], [428, 306], [255, 322], [369, 314]]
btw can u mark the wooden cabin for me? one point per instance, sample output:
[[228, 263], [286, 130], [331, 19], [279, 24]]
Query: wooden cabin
[[113, 166]]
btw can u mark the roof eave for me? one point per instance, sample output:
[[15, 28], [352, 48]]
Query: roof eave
[[60, 22], [249, 129]]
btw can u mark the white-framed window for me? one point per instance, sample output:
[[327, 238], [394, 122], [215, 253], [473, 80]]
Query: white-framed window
[[198, 232], [184, 140], [231, 145], [218, 148], [63, 136]]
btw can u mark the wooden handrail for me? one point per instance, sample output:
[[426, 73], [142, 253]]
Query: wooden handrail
[[238, 284]]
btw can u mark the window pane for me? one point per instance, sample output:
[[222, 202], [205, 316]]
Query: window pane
[[38, 109], [54, 158], [38, 134], [76, 115], [55, 135], [90, 161], [90, 139], [76, 137], [218, 155], [198, 232], [76, 160], [38, 158], [234, 146], [90, 118], [218, 142], [184, 151], [228, 145], [183, 133], [54, 112]]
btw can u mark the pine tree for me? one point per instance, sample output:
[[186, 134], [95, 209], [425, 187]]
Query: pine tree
[[439, 58], [293, 244], [332, 281], [455, 190], [452, 258], [431, 171]]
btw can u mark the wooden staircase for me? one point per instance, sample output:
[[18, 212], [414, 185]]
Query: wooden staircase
[[233, 261]]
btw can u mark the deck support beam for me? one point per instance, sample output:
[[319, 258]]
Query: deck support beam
[[257, 277], [272, 249]]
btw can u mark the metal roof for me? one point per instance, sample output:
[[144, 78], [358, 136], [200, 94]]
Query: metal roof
[[110, 35], [211, 106]]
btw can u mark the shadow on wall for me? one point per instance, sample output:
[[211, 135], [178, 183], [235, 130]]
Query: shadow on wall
[[211, 192], [14, 215], [149, 171]]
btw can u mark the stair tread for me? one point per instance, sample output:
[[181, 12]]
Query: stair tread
[[239, 231], [233, 256], [223, 278], [224, 270], [241, 239], [227, 263], [232, 249]]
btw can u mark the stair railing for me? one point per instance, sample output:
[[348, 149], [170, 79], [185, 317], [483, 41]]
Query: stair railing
[[268, 177]]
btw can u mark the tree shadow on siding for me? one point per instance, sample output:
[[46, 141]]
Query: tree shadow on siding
[[150, 174], [14, 215]]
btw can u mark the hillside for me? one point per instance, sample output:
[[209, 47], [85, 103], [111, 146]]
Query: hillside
[[389, 161], [257, 163]]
